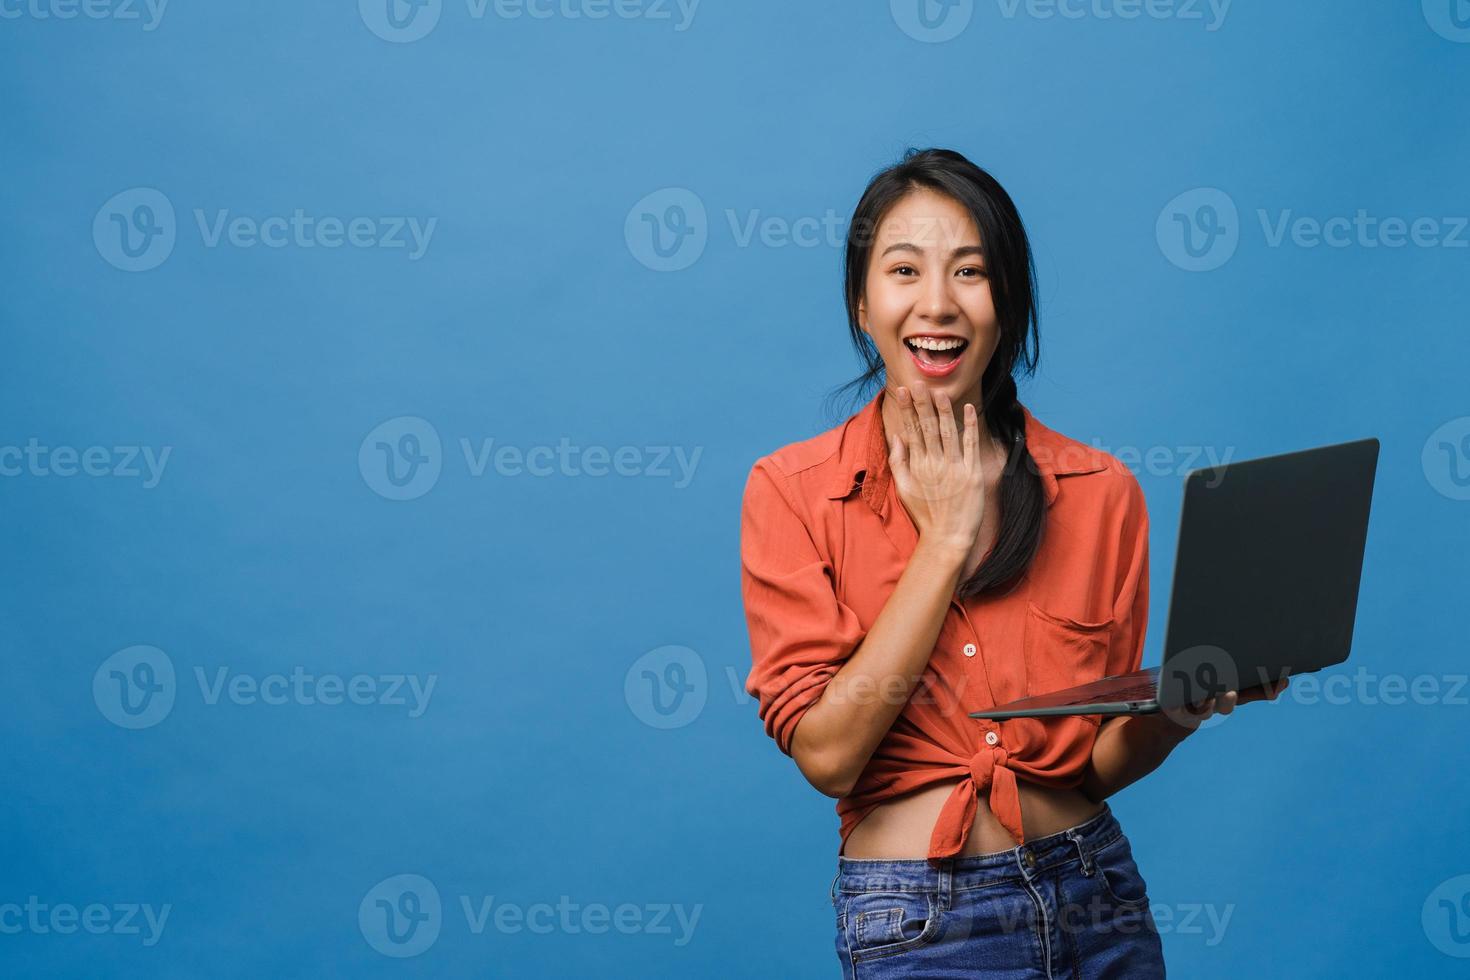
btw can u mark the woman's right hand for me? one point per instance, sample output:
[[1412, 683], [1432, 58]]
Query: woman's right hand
[[938, 472]]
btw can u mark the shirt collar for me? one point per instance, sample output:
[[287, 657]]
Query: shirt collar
[[863, 456]]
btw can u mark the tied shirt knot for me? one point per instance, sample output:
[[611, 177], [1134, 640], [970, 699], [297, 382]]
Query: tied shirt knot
[[986, 769]]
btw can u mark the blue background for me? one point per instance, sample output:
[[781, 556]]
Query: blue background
[[534, 316]]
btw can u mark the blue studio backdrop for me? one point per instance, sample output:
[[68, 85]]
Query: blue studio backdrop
[[379, 384]]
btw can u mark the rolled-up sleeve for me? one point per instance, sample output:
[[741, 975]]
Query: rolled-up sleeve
[[800, 634], [1130, 607]]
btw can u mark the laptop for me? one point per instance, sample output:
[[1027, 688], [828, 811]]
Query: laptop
[[1266, 579]]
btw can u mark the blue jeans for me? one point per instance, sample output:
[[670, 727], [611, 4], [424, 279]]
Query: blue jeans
[[1072, 904]]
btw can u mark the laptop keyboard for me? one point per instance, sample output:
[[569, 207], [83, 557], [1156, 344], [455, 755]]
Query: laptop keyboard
[[1138, 692]]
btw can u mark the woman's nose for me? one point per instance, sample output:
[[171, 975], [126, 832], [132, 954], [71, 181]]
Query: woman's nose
[[939, 301]]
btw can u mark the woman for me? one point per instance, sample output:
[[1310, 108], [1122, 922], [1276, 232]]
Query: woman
[[940, 552]]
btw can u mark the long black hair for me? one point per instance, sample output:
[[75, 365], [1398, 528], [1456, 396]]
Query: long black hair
[[1012, 275]]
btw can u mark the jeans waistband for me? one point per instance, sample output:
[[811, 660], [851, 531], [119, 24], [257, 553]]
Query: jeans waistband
[[1026, 861]]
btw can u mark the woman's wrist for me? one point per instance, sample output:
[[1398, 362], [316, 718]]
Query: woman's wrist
[[949, 551]]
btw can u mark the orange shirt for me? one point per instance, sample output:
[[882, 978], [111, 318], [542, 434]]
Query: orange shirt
[[823, 540]]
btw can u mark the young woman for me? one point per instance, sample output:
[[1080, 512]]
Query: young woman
[[939, 552]]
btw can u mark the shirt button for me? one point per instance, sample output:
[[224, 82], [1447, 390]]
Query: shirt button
[[991, 738], [969, 649]]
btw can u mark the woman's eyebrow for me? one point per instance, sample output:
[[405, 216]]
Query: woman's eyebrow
[[962, 250]]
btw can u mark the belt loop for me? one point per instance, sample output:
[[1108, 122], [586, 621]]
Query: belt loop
[[946, 883], [1084, 853], [832, 892]]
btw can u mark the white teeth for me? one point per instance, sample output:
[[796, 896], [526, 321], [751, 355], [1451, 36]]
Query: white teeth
[[931, 343]]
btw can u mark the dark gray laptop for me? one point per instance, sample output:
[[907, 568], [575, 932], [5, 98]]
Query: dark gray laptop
[[1265, 583]]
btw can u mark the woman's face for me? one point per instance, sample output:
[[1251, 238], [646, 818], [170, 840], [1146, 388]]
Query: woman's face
[[927, 288]]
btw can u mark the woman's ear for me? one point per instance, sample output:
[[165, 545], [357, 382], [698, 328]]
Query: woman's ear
[[862, 312]]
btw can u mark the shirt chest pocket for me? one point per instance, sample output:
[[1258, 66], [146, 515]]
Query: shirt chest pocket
[[1062, 652]]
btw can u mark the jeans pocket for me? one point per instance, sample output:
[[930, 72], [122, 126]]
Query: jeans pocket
[[1119, 875], [884, 923]]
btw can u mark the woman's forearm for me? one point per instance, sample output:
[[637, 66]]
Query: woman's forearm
[[840, 731], [1127, 749]]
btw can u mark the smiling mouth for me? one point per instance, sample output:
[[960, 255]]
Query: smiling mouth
[[937, 359]]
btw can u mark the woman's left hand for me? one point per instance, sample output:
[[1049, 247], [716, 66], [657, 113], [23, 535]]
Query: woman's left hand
[[1177, 723]]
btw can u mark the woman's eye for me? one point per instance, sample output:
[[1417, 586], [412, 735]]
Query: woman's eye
[[902, 269], [973, 271]]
